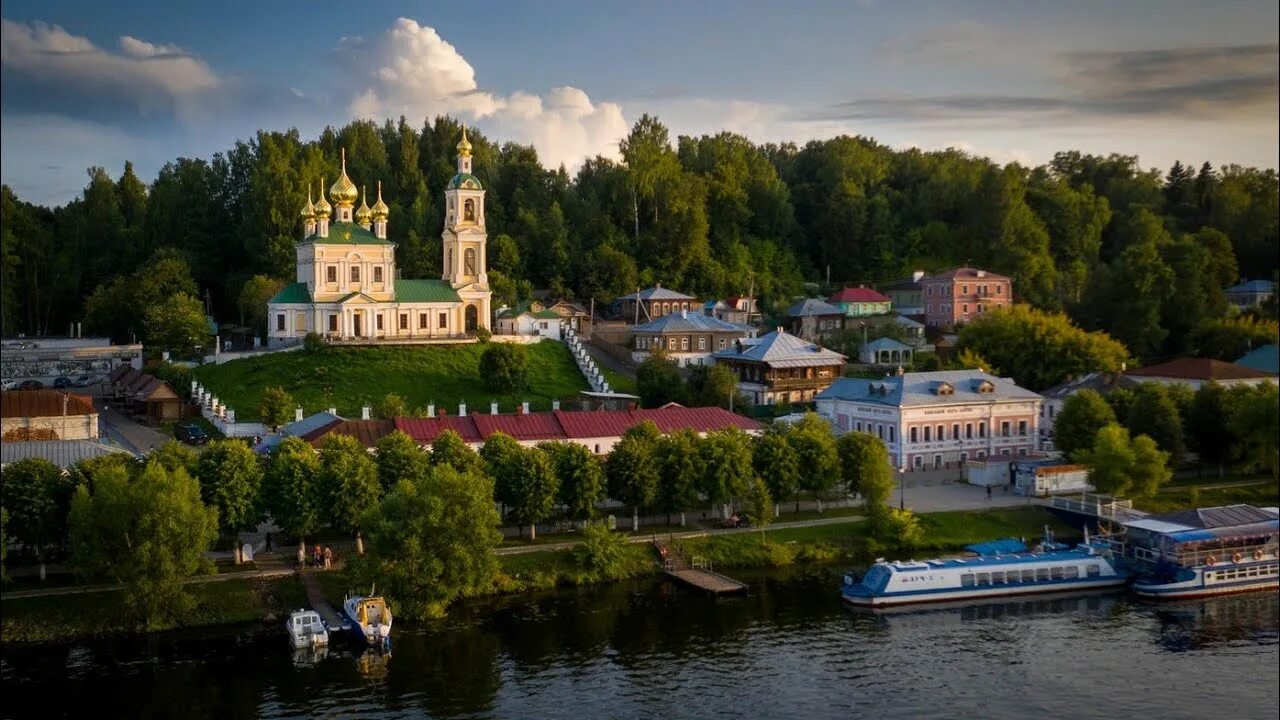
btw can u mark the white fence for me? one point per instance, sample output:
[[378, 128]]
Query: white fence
[[586, 363], [221, 416]]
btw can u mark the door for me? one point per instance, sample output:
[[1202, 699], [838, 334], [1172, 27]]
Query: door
[[355, 324], [472, 318]]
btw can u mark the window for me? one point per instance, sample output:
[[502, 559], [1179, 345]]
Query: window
[[404, 321], [377, 274], [955, 431], [355, 274], [984, 579], [913, 434], [937, 461], [333, 323], [1004, 428], [1005, 451], [880, 431], [1022, 427], [1028, 576], [891, 434], [968, 431], [918, 462], [721, 344], [964, 289], [280, 322], [999, 289], [423, 323], [444, 321], [702, 343], [858, 426], [379, 320], [1072, 572], [965, 308], [927, 431], [942, 433], [1042, 574], [1058, 573], [542, 325], [964, 457], [982, 429], [331, 274], [966, 580], [997, 578]]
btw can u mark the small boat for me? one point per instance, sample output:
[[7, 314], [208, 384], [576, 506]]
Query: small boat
[[306, 629], [1208, 551], [1009, 570], [369, 616]]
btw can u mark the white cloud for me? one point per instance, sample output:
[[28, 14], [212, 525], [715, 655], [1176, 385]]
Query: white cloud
[[412, 71]]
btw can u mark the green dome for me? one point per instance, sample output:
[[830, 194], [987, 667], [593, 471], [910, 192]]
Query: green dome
[[465, 181]]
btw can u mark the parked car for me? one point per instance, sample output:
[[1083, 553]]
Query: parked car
[[191, 434], [9, 385], [83, 381], [30, 385], [62, 382]]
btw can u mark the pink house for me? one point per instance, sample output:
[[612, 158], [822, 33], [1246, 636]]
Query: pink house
[[959, 295]]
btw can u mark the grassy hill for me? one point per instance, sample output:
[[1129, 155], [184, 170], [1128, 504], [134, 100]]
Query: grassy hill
[[347, 378]]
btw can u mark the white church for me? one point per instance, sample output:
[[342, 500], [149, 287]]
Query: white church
[[347, 289]]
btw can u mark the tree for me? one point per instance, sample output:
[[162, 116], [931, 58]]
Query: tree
[[38, 497], [725, 457], [711, 386], [1210, 429], [602, 553], [347, 482], [757, 504], [865, 469], [819, 460], [1155, 415], [775, 461], [178, 324], [252, 303], [1120, 466], [658, 381], [676, 458], [230, 476], [898, 528], [631, 470], [399, 457], [581, 477], [291, 492], [173, 455], [1038, 349], [276, 407], [148, 533], [393, 406], [1256, 422], [1082, 415], [505, 367], [431, 540], [535, 496], [449, 449], [503, 458], [1227, 339]]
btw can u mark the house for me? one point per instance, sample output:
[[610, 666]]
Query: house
[[780, 367], [1056, 396], [348, 288], [906, 295], [741, 310], [885, 351], [46, 415], [530, 319], [63, 453], [145, 394], [46, 358], [811, 318], [1264, 359], [937, 419], [688, 338], [861, 301], [1194, 372], [572, 316], [956, 296], [645, 305], [914, 331], [1250, 293]]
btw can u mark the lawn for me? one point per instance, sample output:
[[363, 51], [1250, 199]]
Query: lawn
[[1266, 494], [619, 382], [348, 378]]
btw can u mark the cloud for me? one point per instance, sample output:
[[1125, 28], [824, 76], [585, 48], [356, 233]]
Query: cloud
[[1188, 84], [414, 72]]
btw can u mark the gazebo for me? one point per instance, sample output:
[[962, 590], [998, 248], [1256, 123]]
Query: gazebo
[[885, 351]]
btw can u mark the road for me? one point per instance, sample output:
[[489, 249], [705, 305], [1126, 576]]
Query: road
[[127, 433]]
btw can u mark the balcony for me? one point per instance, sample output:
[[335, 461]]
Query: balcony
[[797, 383]]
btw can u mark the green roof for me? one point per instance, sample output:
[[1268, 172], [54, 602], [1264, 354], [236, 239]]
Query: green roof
[[523, 308], [425, 291], [471, 181], [294, 293], [345, 233]]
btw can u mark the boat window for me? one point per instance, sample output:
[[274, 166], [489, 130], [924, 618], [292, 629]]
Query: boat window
[[1072, 572], [1093, 571], [984, 579], [997, 578], [966, 580], [1042, 574], [1057, 573], [1028, 576]]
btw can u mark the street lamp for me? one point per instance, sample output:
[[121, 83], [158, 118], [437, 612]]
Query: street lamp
[[902, 487]]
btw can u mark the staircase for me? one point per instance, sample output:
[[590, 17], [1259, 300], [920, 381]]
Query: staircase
[[586, 364]]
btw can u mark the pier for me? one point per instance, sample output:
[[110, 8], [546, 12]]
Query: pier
[[333, 620], [699, 574]]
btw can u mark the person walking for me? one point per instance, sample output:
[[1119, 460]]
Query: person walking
[[328, 558], [268, 543], [315, 556], [988, 492]]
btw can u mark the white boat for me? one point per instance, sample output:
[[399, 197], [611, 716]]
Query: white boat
[[1052, 568], [1208, 551], [306, 629], [369, 616]]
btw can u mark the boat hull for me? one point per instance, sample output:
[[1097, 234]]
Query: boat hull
[[369, 634], [1177, 591], [926, 597]]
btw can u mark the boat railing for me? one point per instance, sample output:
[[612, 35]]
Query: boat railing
[[1101, 506], [1193, 558]]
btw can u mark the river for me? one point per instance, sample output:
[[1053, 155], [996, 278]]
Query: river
[[650, 650]]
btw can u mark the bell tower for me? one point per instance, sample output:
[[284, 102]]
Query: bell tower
[[464, 234]]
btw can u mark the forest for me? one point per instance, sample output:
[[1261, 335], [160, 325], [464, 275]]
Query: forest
[[1141, 254]]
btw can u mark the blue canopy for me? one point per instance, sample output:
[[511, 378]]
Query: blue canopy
[[1003, 546]]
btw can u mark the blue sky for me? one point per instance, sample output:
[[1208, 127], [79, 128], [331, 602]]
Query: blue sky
[[87, 83]]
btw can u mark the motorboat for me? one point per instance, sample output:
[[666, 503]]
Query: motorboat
[[370, 617], [306, 629]]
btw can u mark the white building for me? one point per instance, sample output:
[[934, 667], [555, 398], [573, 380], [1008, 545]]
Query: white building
[[937, 419], [530, 320], [347, 285]]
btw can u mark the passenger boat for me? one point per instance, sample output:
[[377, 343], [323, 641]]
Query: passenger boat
[[370, 617], [306, 629], [1208, 551], [1013, 570]]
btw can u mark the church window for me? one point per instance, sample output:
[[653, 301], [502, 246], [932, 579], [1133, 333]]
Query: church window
[[355, 274], [331, 274], [280, 322], [469, 260], [469, 210], [377, 274], [422, 321], [444, 321], [379, 317], [333, 323], [404, 321]]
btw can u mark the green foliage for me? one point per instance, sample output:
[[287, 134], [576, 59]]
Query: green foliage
[[178, 376], [399, 458], [711, 386], [483, 335], [392, 406], [449, 449], [1227, 339], [1155, 415], [174, 455], [1209, 427], [581, 477], [147, 532], [631, 469], [776, 461], [1039, 349], [757, 504], [1124, 467], [178, 324], [230, 476], [1077, 424], [291, 490], [347, 482], [898, 529], [677, 458], [37, 497], [1256, 422], [252, 302], [312, 343], [502, 457], [431, 540], [602, 553], [276, 407], [865, 468], [816, 448], [726, 464], [658, 381], [505, 367]]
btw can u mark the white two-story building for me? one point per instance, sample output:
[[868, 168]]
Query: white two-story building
[[941, 419]]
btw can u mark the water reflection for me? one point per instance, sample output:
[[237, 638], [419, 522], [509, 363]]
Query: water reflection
[[1200, 624]]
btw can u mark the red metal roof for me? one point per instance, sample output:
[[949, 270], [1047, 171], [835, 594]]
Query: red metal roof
[[565, 424], [595, 423], [1199, 369], [43, 403], [701, 419], [368, 432], [426, 430], [858, 294], [534, 426]]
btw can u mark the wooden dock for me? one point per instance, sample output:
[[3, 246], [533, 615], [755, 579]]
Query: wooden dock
[[697, 574], [333, 620]]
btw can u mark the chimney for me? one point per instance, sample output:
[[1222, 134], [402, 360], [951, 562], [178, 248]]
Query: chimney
[[493, 408], [333, 411], [462, 409], [917, 276], [431, 410], [297, 414], [366, 412], [684, 312], [524, 407], [555, 404]]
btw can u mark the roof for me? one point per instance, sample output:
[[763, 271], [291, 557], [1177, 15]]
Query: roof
[[1217, 517], [425, 430], [347, 233], [963, 273], [907, 283], [1265, 359], [310, 423], [471, 181], [1198, 369], [1098, 381], [43, 403], [907, 322], [523, 309], [568, 424], [292, 293], [425, 291], [143, 386], [1253, 286], [813, 306], [657, 292], [63, 453], [687, 322], [781, 349], [920, 388], [858, 294], [368, 432], [886, 343]]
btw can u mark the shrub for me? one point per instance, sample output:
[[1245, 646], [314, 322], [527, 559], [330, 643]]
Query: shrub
[[602, 554], [505, 367], [483, 334], [313, 342]]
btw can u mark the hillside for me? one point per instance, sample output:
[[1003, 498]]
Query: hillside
[[347, 378]]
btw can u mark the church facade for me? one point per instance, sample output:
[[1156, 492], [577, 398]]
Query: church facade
[[348, 289]]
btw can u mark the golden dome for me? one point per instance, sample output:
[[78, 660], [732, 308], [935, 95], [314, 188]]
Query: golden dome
[[309, 210], [380, 209], [464, 145], [323, 209], [344, 191], [363, 213]]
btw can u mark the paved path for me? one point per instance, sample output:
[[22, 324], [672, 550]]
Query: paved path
[[127, 433], [84, 589]]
